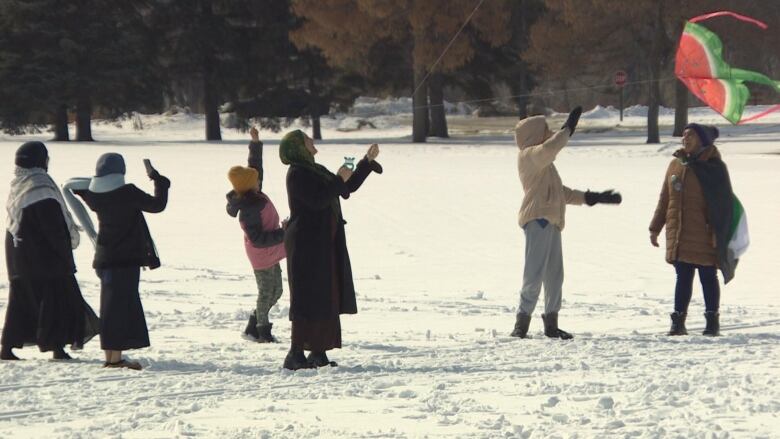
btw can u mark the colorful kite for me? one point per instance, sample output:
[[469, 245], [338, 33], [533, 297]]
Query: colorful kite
[[699, 64]]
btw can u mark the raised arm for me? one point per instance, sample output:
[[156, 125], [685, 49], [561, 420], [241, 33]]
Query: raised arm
[[156, 203], [544, 154], [255, 159], [363, 169]]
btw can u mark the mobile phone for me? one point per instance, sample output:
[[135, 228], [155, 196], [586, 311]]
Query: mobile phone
[[148, 166]]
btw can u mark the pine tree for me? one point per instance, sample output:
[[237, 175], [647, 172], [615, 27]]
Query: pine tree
[[502, 64], [32, 84], [83, 54], [423, 27], [287, 82], [204, 43]]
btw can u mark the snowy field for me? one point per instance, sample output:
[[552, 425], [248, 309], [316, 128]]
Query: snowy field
[[437, 257]]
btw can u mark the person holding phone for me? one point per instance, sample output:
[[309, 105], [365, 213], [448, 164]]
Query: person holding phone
[[123, 245], [318, 267], [263, 236]]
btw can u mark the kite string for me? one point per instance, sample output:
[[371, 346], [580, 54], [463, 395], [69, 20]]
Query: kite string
[[543, 93], [430, 69]]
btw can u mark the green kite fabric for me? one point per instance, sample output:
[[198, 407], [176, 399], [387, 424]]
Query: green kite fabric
[[700, 65]]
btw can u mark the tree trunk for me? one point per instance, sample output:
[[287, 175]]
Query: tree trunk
[[680, 109], [419, 107], [438, 112], [315, 127], [210, 106], [84, 120], [61, 124], [653, 135]]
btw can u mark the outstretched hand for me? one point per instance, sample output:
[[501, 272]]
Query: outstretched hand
[[255, 134], [373, 152], [606, 197], [572, 120], [344, 172]]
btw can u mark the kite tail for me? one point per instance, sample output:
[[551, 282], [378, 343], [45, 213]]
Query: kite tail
[[759, 78], [739, 17], [760, 115]]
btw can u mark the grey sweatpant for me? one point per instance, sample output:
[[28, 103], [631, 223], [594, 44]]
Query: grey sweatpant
[[269, 290], [543, 265]]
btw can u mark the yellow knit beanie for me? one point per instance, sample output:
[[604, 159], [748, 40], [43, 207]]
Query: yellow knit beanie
[[242, 178]]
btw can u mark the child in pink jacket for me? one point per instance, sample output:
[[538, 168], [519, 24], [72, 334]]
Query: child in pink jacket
[[263, 236]]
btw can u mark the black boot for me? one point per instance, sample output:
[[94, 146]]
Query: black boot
[[251, 326], [295, 360], [551, 328], [60, 354], [264, 334], [521, 325], [6, 353], [713, 324], [678, 323], [320, 359]]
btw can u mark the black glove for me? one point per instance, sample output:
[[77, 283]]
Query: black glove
[[574, 118], [606, 197]]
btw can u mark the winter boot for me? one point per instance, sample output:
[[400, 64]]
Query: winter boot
[[60, 354], [320, 359], [264, 334], [251, 326], [551, 328], [521, 325], [295, 360], [678, 323], [124, 364], [6, 353], [713, 324]]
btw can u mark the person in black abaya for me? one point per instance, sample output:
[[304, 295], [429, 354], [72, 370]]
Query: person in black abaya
[[318, 266], [123, 246], [45, 305]]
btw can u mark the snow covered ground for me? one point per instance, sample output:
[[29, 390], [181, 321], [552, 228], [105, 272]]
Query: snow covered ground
[[437, 257]]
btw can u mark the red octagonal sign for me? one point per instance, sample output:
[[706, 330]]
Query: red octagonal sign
[[620, 78]]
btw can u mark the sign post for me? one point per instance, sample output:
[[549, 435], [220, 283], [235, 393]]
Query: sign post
[[620, 81]]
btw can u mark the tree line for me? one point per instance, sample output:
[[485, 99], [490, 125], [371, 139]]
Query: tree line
[[278, 60]]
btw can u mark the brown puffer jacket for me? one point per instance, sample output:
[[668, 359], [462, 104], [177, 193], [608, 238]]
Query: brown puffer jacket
[[683, 210]]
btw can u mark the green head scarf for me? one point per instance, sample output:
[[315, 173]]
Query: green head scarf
[[292, 149]]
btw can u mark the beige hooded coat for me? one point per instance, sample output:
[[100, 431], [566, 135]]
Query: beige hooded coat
[[545, 195]]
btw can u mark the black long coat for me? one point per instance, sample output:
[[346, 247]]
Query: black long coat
[[44, 249], [123, 237], [309, 242], [45, 305]]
